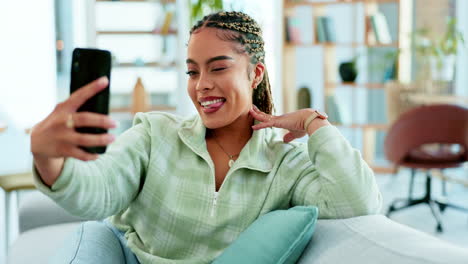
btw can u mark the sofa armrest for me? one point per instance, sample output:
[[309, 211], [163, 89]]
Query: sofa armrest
[[38, 210], [377, 239]]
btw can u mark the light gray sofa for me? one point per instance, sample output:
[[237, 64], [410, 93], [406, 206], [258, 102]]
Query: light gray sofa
[[366, 239]]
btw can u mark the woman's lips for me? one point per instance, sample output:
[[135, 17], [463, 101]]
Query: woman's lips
[[213, 107]]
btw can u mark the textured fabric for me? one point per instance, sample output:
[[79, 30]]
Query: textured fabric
[[277, 237], [157, 182], [377, 239], [95, 242], [39, 244]]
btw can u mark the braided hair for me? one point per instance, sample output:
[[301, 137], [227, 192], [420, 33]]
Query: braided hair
[[241, 28]]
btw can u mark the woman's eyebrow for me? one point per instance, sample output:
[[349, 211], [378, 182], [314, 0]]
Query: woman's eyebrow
[[211, 59]]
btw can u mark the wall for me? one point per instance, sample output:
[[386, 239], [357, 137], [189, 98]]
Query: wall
[[28, 81]]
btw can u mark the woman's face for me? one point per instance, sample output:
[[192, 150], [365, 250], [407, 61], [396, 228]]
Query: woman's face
[[218, 84]]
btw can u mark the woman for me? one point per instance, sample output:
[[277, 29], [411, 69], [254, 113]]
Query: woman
[[181, 190]]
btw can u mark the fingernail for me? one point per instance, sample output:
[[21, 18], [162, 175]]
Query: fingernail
[[255, 107], [114, 124], [102, 81], [111, 137]]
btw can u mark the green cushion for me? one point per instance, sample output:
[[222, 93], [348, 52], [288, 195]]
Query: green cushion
[[276, 237]]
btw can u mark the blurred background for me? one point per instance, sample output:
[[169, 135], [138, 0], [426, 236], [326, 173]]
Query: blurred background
[[363, 62]]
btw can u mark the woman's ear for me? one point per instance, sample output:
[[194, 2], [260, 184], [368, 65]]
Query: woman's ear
[[259, 70]]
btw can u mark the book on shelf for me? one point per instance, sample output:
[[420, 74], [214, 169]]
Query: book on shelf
[[325, 29], [332, 109], [299, 28], [166, 24], [380, 28], [293, 35]]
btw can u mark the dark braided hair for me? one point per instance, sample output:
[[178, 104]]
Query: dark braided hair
[[241, 28]]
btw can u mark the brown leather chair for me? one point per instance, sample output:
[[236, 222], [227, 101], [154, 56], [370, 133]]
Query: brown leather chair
[[407, 145]]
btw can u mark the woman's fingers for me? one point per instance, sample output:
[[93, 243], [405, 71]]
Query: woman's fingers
[[262, 125], [77, 153], [291, 135], [88, 119], [84, 93], [288, 137], [259, 115], [89, 140]]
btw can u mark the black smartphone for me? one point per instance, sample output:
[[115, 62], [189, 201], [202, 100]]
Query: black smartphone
[[87, 66]]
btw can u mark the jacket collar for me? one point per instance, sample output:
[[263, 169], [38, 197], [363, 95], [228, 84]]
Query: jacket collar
[[255, 155]]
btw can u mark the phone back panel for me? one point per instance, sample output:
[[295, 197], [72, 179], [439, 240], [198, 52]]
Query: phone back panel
[[87, 66]]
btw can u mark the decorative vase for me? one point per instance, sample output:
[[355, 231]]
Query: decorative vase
[[348, 71], [443, 69]]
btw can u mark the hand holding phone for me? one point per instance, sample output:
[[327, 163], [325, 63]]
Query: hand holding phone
[[87, 66]]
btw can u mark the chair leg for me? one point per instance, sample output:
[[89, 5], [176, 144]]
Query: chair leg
[[435, 212], [408, 202], [410, 191], [7, 223]]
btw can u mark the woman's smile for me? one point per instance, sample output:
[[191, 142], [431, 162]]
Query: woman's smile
[[211, 104]]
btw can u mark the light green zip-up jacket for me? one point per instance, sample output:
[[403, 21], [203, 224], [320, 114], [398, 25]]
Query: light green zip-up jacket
[[157, 183]]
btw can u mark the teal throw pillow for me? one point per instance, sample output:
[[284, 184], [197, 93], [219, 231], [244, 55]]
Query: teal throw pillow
[[276, 237]]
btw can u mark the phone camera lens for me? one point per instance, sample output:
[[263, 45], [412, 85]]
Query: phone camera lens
[[76, 66]]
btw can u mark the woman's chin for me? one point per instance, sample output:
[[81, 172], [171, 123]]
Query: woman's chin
[[213, 123]]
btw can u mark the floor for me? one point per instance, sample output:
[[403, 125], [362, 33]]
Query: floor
[[455, 223]]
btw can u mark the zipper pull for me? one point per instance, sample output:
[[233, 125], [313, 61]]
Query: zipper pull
[[215, 200]]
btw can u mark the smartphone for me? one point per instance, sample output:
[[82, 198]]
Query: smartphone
[[87, 66]]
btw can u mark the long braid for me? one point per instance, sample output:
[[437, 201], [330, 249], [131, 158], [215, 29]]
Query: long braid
[[243, 29]]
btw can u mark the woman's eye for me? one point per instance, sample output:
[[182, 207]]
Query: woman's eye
[[219, 69], [191, 73]]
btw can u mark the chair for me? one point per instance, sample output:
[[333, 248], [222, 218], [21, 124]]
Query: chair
[[12, 184], [406, 145]]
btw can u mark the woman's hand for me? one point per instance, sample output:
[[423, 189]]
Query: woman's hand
[[55, 138], [293, 122]]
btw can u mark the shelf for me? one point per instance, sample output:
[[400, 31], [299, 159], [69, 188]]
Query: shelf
[[138, 1], [147, 64], [148, 32], [438, 98], [356, 85], [152, 108], [324, 3], [383, 169], [382, 127], [332, 45]]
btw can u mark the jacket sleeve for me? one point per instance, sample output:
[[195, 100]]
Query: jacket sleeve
[[101, 188], [334, 177]]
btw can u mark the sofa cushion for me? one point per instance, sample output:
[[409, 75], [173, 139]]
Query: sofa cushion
[[39, 244], [377, 239], [36, 210], [276, 237]]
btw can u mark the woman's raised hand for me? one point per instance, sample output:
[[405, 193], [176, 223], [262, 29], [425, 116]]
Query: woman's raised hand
[[55, 136], [293, 122]]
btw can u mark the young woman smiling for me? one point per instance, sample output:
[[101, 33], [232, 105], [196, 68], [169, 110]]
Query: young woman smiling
[[180, 190]]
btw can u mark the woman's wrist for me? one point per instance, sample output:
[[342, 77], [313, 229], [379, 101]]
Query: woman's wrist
[[316, 124]]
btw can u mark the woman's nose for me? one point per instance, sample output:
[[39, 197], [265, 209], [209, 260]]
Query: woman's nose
[[204, 83]]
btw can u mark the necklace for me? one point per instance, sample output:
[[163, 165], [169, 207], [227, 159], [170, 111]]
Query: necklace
[[231, 157]]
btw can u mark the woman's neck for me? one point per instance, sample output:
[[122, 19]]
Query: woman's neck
[[236, 134]]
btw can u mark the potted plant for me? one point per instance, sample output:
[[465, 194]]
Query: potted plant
[[439, 53], [348, 70], [199, 8]]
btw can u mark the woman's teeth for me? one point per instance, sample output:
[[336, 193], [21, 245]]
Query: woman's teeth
[[208, 103]]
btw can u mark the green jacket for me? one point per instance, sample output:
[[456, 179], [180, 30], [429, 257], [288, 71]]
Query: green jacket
[[156, 182]]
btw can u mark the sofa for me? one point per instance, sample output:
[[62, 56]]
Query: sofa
[[43, 226]]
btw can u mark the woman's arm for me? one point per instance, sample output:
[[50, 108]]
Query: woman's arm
[[334, 177], [331, 174], [103, 187]]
